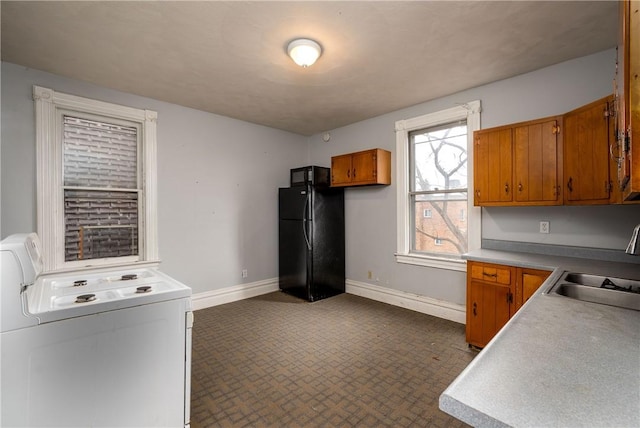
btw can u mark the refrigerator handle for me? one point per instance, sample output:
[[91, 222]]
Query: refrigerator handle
[[304, 222]]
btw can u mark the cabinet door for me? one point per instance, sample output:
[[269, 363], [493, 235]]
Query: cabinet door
[[632, 192], [536, 163], [492, 167], [586, 154], [528, 281], [489, 310], [341, 169], [628, 114], [368, 167], [364, 166], [490, 301], [474, 312]]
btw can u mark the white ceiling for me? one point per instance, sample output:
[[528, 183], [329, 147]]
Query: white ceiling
[[229, 57]]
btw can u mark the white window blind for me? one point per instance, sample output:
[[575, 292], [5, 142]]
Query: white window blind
[[99, 154]]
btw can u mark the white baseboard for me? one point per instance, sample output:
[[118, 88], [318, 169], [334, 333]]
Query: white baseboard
[[414, 302], [423, 304], [234, 293]]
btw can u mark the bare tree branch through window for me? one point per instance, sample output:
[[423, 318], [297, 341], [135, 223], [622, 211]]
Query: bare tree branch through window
[[440, 186]]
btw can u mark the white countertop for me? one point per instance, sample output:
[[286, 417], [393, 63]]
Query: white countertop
[[558, 361]]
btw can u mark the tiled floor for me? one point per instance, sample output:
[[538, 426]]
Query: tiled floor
[[277, 361]]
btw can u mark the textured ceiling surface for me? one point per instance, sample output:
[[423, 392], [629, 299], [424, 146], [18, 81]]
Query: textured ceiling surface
[[229, 58]]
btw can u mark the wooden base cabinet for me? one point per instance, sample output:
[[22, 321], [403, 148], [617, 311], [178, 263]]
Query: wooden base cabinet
[[527, 282], [490, 300], [494, 294]]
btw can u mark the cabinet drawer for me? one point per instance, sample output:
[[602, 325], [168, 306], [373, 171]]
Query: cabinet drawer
[[491, 273]]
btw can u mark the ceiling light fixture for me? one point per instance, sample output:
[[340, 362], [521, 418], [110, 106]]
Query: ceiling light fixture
[[304, 52]]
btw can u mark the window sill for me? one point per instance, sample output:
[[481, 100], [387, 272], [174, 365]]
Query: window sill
[[434, 262], [101, 267]]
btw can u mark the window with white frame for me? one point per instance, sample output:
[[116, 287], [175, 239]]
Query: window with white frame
[[96, 191], [434, 174]]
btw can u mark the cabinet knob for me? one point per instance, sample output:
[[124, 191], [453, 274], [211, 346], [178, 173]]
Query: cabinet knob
[[506, 187], [475, 309], [570, 184], [519, 187]]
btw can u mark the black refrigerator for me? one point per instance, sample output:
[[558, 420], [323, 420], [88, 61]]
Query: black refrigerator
[[311, 236]]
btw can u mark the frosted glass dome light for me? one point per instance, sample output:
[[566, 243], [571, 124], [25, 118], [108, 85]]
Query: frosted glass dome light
[[304, 52]]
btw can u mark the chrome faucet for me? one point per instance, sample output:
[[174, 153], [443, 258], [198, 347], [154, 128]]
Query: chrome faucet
[[634, 245]]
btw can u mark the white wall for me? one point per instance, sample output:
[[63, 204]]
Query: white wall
[[218, 181], [371, 212]]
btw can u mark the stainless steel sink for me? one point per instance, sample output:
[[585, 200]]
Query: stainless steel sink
[[619, 292]]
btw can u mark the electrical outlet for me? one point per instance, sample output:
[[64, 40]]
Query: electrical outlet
[[544, 227], [369, 274], [245, 273]]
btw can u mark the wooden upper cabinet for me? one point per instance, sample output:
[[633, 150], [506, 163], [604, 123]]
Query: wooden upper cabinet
[[341, 170], [493, 167], [627, 91], [536, 169], [518, 164], [361, 168], [588, 132], [570, 159]]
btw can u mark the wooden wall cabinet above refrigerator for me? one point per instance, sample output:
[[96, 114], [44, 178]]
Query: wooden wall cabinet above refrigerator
[[361, 168], [518, 164]]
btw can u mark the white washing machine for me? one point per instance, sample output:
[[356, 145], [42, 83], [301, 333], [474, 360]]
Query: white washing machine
[[96, 348]]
